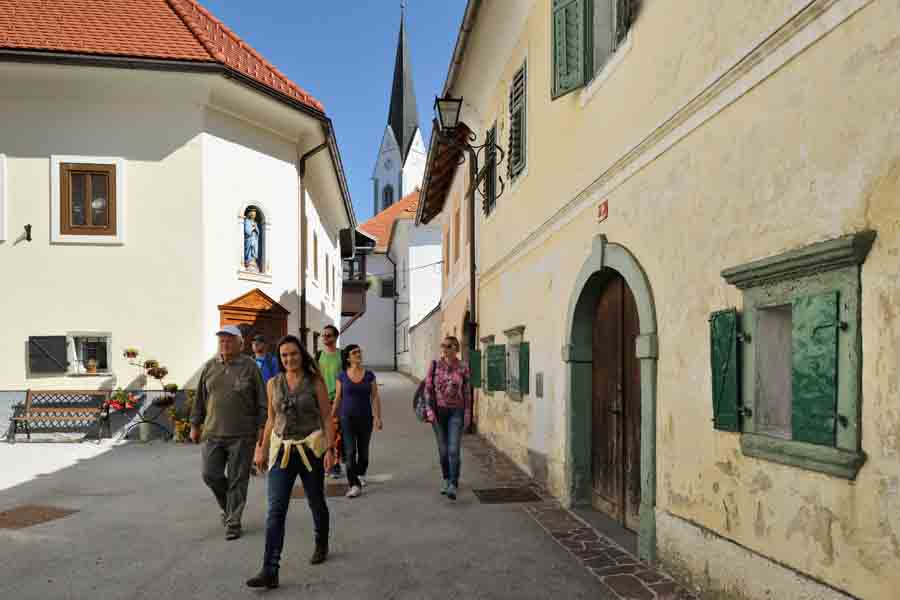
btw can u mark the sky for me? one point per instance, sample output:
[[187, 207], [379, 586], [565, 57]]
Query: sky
[[342, 52]]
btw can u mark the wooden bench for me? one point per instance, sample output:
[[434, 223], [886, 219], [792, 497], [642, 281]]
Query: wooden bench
[[61, 411]]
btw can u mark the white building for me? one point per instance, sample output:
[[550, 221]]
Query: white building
[[128, 171]]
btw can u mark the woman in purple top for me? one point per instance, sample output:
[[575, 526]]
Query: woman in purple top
[[357, 405], [448, 390]]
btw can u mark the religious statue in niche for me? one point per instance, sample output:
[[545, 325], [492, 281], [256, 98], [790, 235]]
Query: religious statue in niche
[[252, 226]]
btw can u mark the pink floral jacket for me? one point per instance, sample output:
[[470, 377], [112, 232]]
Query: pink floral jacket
[[447, 385]]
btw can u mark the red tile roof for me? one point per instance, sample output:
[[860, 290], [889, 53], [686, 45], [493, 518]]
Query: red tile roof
[[162, 29], [380, 225]]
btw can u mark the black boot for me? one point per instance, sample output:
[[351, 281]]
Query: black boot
[[320, 554], [263, 579]]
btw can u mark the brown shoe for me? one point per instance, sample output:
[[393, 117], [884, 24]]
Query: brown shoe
[[320, 554], [263, 579]]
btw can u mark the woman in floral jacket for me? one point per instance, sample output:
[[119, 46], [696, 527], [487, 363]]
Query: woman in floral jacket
[[449, 394]]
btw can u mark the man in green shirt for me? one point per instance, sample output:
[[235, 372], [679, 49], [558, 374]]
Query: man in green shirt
[[229, 415], [330, 365]]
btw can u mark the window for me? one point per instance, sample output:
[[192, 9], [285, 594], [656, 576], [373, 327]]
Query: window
[[91, 354], [516, 160], [2, 197], [456, 235], [517, 363], [327, 275], [489, 192], [786, 371], [387, 196], [87, 199], [72, 354], [387, 288], [585, 34], [315, 256]]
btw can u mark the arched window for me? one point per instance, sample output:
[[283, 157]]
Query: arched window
[[387, 196], [254, 232]]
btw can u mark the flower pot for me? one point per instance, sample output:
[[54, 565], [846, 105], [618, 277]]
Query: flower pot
[[91, 365]]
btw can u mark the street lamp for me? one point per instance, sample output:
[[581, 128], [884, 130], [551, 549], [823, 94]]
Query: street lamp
[[447, 130], [448, 110]]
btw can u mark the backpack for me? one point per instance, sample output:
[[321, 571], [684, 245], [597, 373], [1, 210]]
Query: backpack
[[420, 399]]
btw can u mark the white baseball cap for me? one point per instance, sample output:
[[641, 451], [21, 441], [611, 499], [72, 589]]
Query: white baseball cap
[[230, 330]]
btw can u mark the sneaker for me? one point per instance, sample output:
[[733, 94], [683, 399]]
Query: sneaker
[[354, 491], [451, 491], [444, 485], [362, 481]]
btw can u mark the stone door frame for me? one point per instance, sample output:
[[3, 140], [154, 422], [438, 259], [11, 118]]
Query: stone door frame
[[578, 356]]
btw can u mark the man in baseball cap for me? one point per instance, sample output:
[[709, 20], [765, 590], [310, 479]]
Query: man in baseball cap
[[266, 361], [229, 415]]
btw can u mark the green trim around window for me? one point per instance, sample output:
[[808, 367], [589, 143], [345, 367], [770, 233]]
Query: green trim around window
[[825, 268], [811, 457]]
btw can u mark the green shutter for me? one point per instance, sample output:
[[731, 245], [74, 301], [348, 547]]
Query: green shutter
[[523, 368], [572, 51], [814, 338], [475, 368], [626, 13], [515, 163], [723, 329], [496, 367]]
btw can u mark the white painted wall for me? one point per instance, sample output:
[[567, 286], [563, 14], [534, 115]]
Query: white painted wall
[[424, 271], [323, 303], [374, 330], [146, 292], [387, 170], [425, 342], [414, 167], [399, 251]]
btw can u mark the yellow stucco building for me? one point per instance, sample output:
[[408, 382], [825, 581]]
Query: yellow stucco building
[[687, 275]]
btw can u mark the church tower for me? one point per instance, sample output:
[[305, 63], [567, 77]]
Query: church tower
[[400, 166]]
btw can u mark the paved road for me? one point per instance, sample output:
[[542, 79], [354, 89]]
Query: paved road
[[147, 527]]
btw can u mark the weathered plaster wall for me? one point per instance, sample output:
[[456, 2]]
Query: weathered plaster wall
[[809, 154], [425, 344]]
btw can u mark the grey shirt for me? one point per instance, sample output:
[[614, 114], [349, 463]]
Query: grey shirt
[[231, 399]]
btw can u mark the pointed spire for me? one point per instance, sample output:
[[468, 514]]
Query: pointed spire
[[403, 116]]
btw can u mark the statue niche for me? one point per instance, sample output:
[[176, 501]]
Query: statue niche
[[254, 240]]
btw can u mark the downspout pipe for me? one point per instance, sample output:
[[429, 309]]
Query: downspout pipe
[[387, 255], [304, 257]]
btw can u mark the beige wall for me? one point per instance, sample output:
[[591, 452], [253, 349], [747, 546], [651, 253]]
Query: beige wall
[[798, 153]]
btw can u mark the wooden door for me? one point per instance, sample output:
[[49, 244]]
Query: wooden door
[[616, 430]]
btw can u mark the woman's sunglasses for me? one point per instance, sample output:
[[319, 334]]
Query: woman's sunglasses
[[448, 346]]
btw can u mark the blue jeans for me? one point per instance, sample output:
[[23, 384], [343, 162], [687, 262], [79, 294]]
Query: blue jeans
[[448, 428], [281, 483]]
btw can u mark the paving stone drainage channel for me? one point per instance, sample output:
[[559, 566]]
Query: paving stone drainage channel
[[622, 575]]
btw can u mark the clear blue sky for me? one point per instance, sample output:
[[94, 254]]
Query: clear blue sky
[[342, 52]]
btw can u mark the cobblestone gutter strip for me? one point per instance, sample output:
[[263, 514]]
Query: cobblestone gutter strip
[[622, 575]]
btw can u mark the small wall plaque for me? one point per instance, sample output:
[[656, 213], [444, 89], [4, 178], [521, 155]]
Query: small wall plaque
[[539, 385]]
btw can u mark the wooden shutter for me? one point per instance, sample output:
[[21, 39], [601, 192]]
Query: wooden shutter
[[723, 329], [47, 354], [490, 181], [572, 48], [524, 363], [516, 160], [814, 340], [626, 12], [496, 367], [475, 368]]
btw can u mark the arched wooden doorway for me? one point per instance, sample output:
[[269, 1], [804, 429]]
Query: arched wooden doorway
[[616, 406], [254, 313]]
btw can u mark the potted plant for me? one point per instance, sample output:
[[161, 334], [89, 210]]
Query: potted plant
[[151, 363], [181, 418], [130, 353], [90, 365]]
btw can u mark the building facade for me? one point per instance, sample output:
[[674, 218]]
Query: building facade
[[146, 206], [687, 297]]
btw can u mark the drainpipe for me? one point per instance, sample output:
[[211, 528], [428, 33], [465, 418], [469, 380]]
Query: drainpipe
[[388, 256], [301, 169]]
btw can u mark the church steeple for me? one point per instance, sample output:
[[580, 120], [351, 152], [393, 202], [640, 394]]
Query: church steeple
[[403, 117]]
